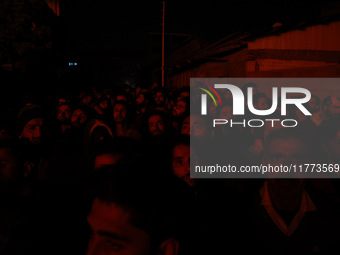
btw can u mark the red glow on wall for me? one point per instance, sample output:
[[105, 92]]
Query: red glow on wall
[[54, 5]]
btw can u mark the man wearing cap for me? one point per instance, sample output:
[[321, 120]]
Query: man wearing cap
[[31, 124], [31, 133]]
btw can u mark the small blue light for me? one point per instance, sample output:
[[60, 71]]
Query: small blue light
[[75, 63], [70, 64]]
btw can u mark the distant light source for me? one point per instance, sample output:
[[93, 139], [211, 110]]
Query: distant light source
[[72, 63]]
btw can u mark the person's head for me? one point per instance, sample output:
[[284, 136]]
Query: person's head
[[85, 98], [180, 160], [32, 124], [331, 107], [122, 96], [272, 126], [132, 213], [197, 126], [184, 93], [314, 104], [285, 147], [159, 98], [227, 95], [171, 102], [226, 112], [156, 124], [261, 101], [333, 110], [63, 99], [325, 103], [143, 97], [64, 113], [95, 132], [107, 92], [96, 92], [120, 112], [104, 103], [249, 85], [80, 116], [140, 100], [213, 109], [181, 108]]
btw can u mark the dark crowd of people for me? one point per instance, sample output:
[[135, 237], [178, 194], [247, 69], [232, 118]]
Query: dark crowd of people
[[107, 171]]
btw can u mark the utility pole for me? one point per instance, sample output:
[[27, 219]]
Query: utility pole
[[163, 17]]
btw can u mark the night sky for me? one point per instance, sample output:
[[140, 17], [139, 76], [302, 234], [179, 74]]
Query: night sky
[[124, 25], [103, 35]]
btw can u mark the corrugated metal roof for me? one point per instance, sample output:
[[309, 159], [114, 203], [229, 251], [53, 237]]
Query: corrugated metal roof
[[240, 39]]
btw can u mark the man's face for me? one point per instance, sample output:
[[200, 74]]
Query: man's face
[[119, 113], [181, 163], [156, 125], [212, 110], [104, 104], [286, 152], [254, 90], [33, 130], [262, 104], [179, 108], [8, 164], [228, 95], [78, 118], [332, 107], [113, 233], [140, 99], [86, 99], [194, 125], [313, 104], [291, 151], [226, 113], [64, 113], [170, 104], [334, 110], [159, 98]]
